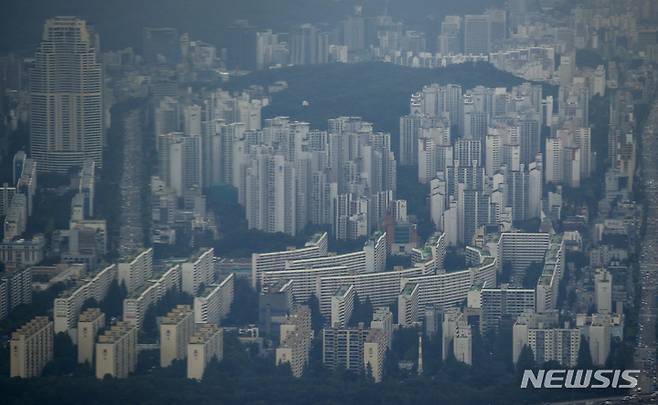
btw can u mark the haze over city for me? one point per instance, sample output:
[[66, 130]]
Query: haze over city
[[314, 201]]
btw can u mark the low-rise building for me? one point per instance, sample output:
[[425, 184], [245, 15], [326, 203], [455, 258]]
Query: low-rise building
[[19, 253]]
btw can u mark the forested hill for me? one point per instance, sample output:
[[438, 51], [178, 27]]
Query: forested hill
[[378, 92]]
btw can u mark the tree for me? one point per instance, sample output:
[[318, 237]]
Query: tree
[[112, 305], [532, 274], [506, 273], [65, 355], [584, 355], [316, 316], [244, 309], [361, 313], [526, 360]]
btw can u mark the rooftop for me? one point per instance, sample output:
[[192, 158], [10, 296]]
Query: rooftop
[[409, 288], [342, 290], [116, 332], [90, 314], [30, 328], [204, 333], [176, 315]]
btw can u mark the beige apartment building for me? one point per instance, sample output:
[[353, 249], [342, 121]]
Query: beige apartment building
[[175, 331], [90, 323], [31, 347], [116, 351], [207, 343]]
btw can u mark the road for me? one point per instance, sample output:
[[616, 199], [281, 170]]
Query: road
[[131, 232], [645, 353]]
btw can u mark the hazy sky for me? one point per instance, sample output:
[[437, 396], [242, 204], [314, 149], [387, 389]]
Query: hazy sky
[[120, 21]]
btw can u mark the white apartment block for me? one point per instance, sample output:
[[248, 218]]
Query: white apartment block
[[408, 304], [432, 254], [304, 281], [31, 348], [214, 304], [343, 347], [547, 341], [342, 304], [521, 249], [15, 290], [206, 344], [7, 192], [264, 262], [116, 351], [376, 252], [449, 289], [354, 261], [561, 345], [382, 288], [198, 270], [504, 302], [175, 331], [4, 299], [355, 349], [66, 308], [134, 272], [548, 284], [90, 323], [603, 291], [136, 305]]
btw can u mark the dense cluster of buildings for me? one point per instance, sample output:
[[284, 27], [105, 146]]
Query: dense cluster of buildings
[[503, 170], [287, 174], [112, 346]]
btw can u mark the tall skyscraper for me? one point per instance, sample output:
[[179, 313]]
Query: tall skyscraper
[[161, 45], [497, 27], [309, 46], [476, 34], [66, 97], [450, 38]]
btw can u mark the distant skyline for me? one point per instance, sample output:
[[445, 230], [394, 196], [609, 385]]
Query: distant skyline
[[21, 21]]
